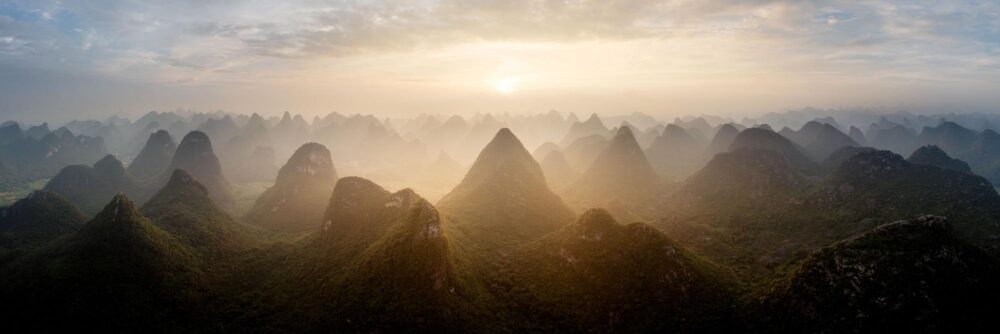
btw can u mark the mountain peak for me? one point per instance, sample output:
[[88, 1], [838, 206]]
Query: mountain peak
[[296, 201], [932, 155], [39, 217], [195, 156], [597, 218], [594, 119], [120, 209], [195, 140], [624, 133], [767, 139], [506, 187], [311, 161], [154, 157], [181, 178], [620, 172], [109, 167], [506, 137]]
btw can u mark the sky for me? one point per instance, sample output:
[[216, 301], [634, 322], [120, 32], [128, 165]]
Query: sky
[[92, 59]]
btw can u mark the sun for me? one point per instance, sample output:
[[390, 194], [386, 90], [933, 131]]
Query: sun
[[506, 86]]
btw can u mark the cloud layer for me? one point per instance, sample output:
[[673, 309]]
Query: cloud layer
[[220, 46]]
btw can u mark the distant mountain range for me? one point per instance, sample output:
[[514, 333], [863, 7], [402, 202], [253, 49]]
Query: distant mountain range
[[701, 224]]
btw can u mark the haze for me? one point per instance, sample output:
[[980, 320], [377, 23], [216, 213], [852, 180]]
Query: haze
[[76, 59]]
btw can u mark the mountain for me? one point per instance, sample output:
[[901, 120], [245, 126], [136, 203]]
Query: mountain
[[503, 200], [438, 177], [89, 187], [581, 152], [184, 208], [985, 155], [40, 217], [543, 150], [761, 138], [221, 129], [805, 135], [118, 273], [858, 136], [620, 173], [592, 126], [932, 155], [896, 138], [826, 140], [597, 275], [43, 158], [950, 137], [675, 154], [195, 156], [250, 155], [154, 157], [259, 166], [480, 134], [838, 157], [401, 278], [296, 201], [722, 140], [907, 276], [882, 185], [38, 131], [818, 139], [745, 177], [558, 172]]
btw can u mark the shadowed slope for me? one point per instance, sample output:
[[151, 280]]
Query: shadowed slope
[[907, 276], [117, 273], [38, 218], [597, 275]]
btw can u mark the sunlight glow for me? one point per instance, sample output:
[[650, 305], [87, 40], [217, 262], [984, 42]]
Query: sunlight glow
[[506, 86]]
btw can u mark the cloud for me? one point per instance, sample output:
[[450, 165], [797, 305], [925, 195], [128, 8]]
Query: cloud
[[190, 42]]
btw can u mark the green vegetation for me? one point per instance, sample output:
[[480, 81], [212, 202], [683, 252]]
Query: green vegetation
[[748, 243], [40, 217], [597, 275], [13, 189], [908, 276]]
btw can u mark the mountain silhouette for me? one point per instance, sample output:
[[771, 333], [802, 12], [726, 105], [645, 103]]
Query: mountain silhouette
[[195, 156], [185, 209], [932, 155], [119, 272], [761, 138], [896, 138], [954, 139], [620, 173], [558, 172], [826, 140], [592, 126], [858, 136], [89, 187], [675, 154], [503, 200], [721, 141], [296, 201], [40, 217], [154, 157], [744, 177], [598, 275], [832, 162], [581, 152]]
